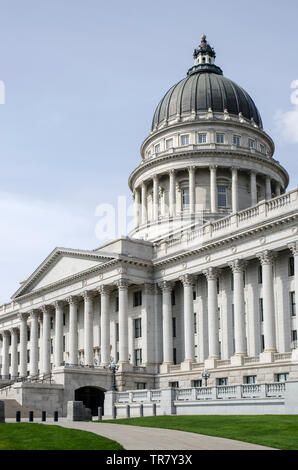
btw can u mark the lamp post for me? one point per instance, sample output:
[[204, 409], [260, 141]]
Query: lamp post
[[113, 367], [206, 375]]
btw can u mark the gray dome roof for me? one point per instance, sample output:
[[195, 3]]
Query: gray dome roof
[[205, 87]]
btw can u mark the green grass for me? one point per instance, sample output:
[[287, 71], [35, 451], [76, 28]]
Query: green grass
[[30, 436], [278, 431]]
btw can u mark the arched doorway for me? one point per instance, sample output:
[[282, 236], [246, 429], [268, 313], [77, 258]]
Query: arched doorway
[[92, 397]]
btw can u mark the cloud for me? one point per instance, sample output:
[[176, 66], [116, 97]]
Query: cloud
[[287, 125]]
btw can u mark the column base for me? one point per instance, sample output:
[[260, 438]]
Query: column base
[[165, 367], [125, 366], [237, 360], [267, 357], [211, 363], [186, 365]]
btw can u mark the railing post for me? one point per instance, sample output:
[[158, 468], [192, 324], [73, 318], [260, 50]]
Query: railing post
[[263, 390], [193, 394], [238, 392], [99, 413], [214, 393], [154, 409], [141, 410], [114, 412], [127, 411]]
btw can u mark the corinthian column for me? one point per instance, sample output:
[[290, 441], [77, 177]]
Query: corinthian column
[[234, 190], [253, 188], [46, 340], [213, 190], [167, 321], [238, 267], [58, 333], [122, 285], [33, 318], [14, 351], [211, 276], [5, 356], [188, 282], [88, 328], [266, 258], [73, 329], [172, 198], [23, 344], [294, 249], [105, 324], [155, 197], [144, 203], [192, 189], [137, 206]]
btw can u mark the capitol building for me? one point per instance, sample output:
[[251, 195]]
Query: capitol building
[[207, 279]]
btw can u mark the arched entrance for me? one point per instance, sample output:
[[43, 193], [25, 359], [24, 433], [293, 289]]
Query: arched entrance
[[92, 397]]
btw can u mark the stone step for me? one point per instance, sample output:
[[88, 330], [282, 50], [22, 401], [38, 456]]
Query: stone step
[[12, 406]]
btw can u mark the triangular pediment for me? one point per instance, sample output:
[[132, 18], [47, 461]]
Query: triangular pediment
[[61, 264]]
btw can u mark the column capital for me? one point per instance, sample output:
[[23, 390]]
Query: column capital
[[191, 168], [123, 284], [266, 257], [238, 265], [294, 248], [166, 286], [72, 300], [104, 289], [149, 288], [46, 309], [58, 303], [5, 333], [212, 167], [211, 274], [87, 295], [188, 279], [33, 314], [172, 172], [23, 316], [155, 177], [14, 330]]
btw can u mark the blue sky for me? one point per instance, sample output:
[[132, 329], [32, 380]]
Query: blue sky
[[82, 82]]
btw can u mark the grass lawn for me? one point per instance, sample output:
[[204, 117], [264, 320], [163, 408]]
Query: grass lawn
[[278, 431], [30, 436]]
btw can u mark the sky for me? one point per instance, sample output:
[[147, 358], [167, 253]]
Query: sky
[[82, 80]]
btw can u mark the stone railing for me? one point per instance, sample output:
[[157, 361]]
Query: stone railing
[[243, 219]]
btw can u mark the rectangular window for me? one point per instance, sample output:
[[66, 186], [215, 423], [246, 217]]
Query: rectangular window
[[9, 359], [218, 313], [222, 381], [18, 358], [169, 143], [52, 347], [251, 143], [28, 356], [196, 352], [195, 323], [262, 148], [293, 304], [294, 337], [222, 196], [260, 274], [64, 319], [282, 377], [220, 138], [250, 379], [137, 298], [232, 282], [157, 148], [185, 139], [185, 198], [202, 138], [174, 384], [117, 304], [117, 331], [140, 385], [261, 311], [175, 355], [262, 342], [138, 357], [174, 327], [138, 327], [28, 334], [291, 266], [64, 343], [173, 297], [236, 140], [217, 285], [194, 295], [196, 383], [52, 323]]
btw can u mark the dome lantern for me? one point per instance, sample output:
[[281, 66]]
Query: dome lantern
[[204, 58]]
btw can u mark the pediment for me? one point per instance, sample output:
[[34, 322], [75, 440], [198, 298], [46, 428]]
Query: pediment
[[61, 264]]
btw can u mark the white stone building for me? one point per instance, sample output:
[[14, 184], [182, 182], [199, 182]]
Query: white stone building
[[207, 279]]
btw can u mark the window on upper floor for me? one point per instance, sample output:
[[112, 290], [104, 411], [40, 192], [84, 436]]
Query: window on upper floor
[[138, 327], [293, 304], [185, 198], [117, 331], [117, 304], [222, 196], [261, 312], [236, 140], [220, 138], [28, 334], [174, 384], [222, 381], [196, 383], [202, 138], [294, 338], [262, 343], [137, 298], [260, 274], [251, 143], [52, 323], [194, 295], [291, 266], [250, 379], [169, 143], [262, 148], [141, 385], [173, 297], [174, 355], [138, 357], [174, 327], [157, 148], [195, 323], [185, 139], [281, 377]]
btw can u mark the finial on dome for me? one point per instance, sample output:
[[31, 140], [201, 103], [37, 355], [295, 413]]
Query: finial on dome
[[204, 56], [203, 37]]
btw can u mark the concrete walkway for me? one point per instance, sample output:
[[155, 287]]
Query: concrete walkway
[[142, 438]]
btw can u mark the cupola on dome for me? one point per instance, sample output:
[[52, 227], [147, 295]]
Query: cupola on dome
[[205, 89]]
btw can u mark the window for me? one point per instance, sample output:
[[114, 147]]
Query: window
[[294, 337], [293, 304], [222, 196], [141, 385], [250, 379], [261, 311], [262, 148], [196, 383], [232, 282], [194, 295], [138, 357], [251, 143], [196, 352], [195, 323], [185, 198], [157, 148], [169, 143], [174, 355], [220, 138], [52, 347], [117, 331], [202, 138], [244, 279], [282, 377], [38, 331], [262, 342], [291, 266], [185, 139], [174, 327], [218, 313], [173, 297], [64, 319], [222, 381], [28, 334], [260, 274], [52, 323], [137, 298], [18, 358], [236, 140], [64, 343], [117, 304], [217, 285], [28, 356], [138, 327], [174, 384]]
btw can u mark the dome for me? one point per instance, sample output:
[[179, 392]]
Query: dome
[[204, 89]]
